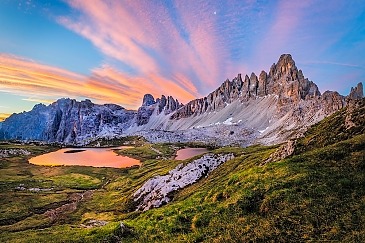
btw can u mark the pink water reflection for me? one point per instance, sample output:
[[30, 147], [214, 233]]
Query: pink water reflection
[[95, 157], [188, 153]]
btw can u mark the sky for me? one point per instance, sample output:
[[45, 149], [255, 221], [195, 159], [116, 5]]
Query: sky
[[114, 51]]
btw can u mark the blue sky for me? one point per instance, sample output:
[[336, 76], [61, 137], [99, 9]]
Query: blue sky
[[115, 51]]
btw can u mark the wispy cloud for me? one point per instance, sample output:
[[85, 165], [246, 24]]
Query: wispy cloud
[[333, 63], [280, 34], [104, 85], [3, 116], [37, 100], [154, 40]]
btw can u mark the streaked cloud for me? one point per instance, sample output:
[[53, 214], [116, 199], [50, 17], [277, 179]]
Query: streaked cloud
[[34, 99], [3, 116], [349, 65], [152, 41], [104, 85]]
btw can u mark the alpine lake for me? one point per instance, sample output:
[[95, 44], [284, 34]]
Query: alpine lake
[[102, 157]]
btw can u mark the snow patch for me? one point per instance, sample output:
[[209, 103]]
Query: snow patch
[[262, 131], [228, 121]]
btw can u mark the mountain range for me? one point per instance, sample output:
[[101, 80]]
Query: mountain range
[[267, 108]]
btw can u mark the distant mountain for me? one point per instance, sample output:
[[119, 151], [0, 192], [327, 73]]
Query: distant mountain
[[66, 120], [268, 108]]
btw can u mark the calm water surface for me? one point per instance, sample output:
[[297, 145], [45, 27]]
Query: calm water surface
[[188, 153], [96, 157]]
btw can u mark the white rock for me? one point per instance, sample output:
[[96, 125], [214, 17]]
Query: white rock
[[154, 192]]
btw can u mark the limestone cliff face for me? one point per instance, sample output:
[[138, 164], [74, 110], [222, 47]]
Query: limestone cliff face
[[149, 106], [283, 80], [356, 92], [67, 120]]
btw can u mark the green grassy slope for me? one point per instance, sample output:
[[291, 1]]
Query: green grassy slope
[[318, 194]]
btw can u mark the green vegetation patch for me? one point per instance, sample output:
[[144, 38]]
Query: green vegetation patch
[[76, 181]]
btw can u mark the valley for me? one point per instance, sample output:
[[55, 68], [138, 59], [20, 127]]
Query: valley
[[316, 194]]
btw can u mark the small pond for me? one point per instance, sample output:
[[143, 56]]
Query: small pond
[[188, 153], [95, 157]]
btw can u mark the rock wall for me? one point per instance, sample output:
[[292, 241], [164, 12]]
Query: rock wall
[[149, 106], [284, 80], [68, 121]]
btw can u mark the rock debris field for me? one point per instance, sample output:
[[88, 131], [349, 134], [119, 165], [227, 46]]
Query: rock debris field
[[155, 192]]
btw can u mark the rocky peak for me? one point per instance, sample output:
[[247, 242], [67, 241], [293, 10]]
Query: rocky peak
[[254, 83], [283, 80], [218, 99], [149, 106], [332, 101], [148, 100], [262, 90], [284, 69], [356, 92], [168, 104], [285, 64], [246, 84]]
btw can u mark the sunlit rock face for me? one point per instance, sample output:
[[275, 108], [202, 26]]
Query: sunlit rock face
[[283, 98], [284, 80]]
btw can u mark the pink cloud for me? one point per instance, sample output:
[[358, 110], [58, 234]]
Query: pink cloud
[[104, 85], [143, 35], [289, 15]]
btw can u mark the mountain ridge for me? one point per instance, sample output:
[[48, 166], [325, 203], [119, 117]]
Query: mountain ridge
[[269, 108]]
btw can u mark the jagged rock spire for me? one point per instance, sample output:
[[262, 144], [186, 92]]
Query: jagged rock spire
[[357, 92], [149, 105], [284, 80], [148, 100]]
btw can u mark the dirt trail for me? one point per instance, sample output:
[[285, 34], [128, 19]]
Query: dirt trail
[[62, 211]]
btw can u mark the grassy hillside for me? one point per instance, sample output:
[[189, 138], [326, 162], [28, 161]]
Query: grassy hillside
[[318, 194]]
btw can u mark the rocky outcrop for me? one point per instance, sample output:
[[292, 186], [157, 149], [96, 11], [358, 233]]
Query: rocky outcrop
[[148, 100], [284, 80], [149, 106], [332, 101], [155, 192], [13, 152], [225, 94], [145, 111], [356, 92], [262, 88], [355, 113], [282, 152]]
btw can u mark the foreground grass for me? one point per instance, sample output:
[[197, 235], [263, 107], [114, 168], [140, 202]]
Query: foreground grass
[[317, 195], [314, 196], [28, 192]]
